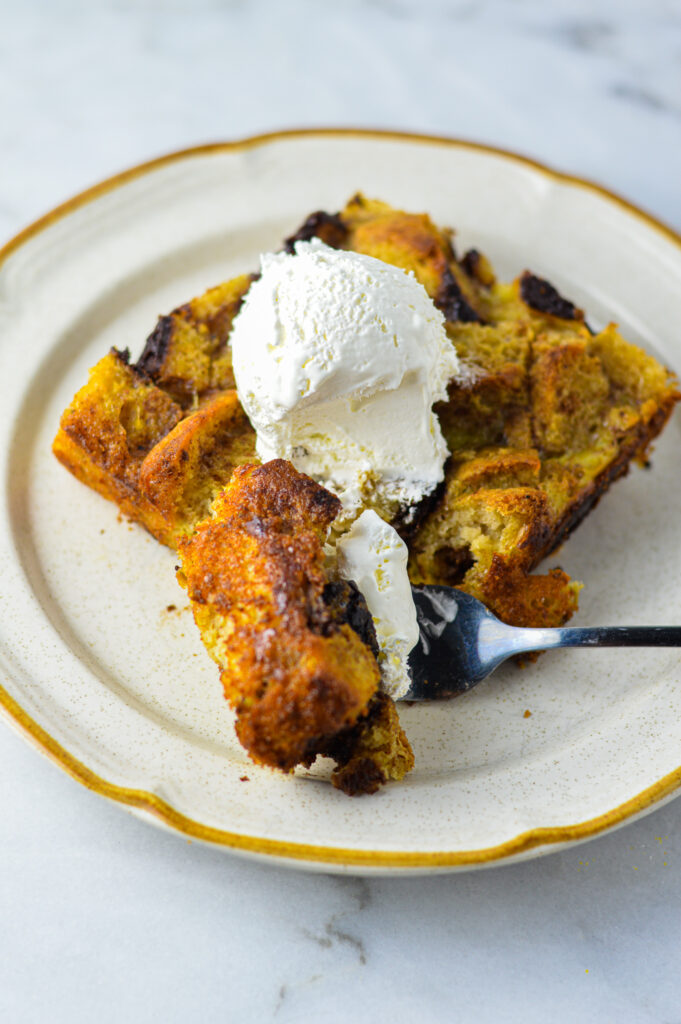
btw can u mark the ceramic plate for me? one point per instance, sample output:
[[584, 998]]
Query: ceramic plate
[[101, 665]]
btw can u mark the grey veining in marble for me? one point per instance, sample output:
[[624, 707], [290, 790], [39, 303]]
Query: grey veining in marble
[[106, 919], [111, 920], [90, 88]]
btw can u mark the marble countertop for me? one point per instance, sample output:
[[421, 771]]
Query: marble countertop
[[104, 918]]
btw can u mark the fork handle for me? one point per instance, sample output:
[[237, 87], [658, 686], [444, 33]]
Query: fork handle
[[597, 636]]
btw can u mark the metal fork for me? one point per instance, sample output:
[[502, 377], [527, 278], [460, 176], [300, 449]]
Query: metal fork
[[461, 642]]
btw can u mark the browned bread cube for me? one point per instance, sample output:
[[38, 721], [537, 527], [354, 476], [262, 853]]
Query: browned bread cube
[[188, 354], [188, 468], [112, 424], [122, 420], [297, 663]]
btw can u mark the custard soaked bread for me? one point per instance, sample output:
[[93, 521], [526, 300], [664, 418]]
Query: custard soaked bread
[[295, 643], [548, 415], [524, 476], [544, 417]]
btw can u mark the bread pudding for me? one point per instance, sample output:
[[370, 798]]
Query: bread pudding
[[295, 643], [545, 414]]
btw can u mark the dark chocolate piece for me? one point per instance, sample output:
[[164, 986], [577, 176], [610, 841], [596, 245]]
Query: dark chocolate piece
[[347, 604], [542, 296], [366, 776], [327, 226], [453, 564], [123, 354], [469, 262], [451, 301], [156, 347]]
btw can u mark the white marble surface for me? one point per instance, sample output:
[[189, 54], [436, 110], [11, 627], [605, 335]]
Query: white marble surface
[[103, 918]]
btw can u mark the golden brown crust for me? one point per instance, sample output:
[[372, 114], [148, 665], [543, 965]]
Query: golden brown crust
[[635, 444], [188, 468], [255, 576], [124, 418], [522, 599], [188, 353], [109, 428], [372, 752], [413, 242], [549, 407]]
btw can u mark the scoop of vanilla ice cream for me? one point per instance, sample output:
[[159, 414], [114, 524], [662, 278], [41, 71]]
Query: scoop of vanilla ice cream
[[338, 359], [374, 555]]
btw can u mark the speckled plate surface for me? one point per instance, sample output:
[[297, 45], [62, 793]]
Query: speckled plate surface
[[100, 663]]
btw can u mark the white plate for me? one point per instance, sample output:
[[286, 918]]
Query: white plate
[[119, 691]]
